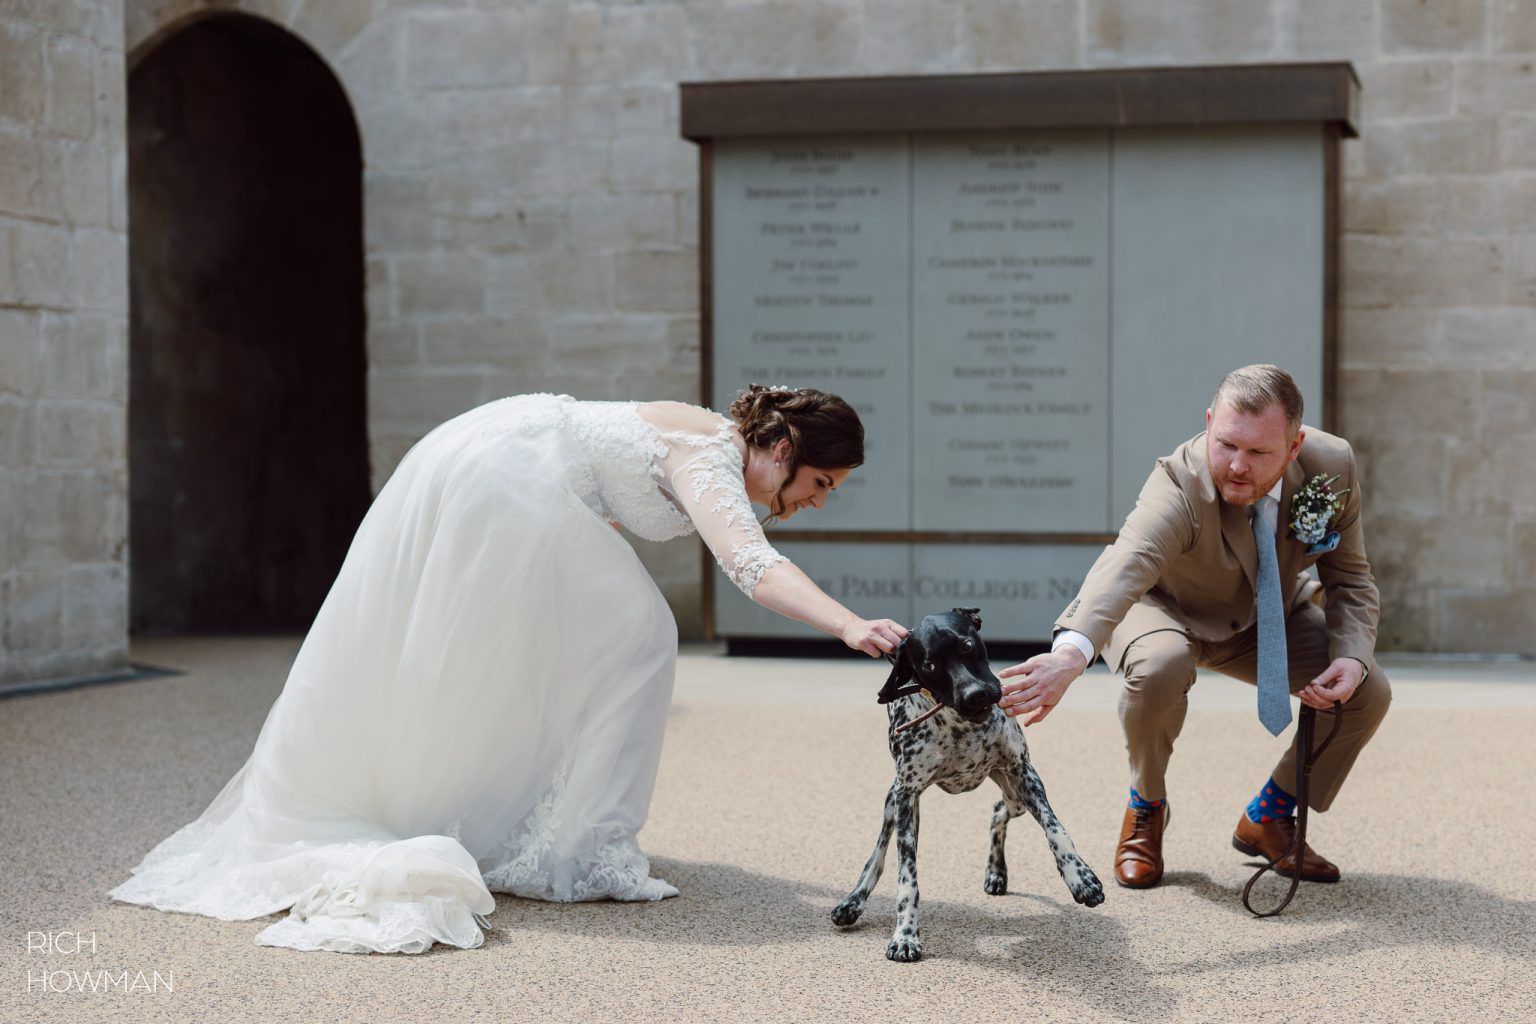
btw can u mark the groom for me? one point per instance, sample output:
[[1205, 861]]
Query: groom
[[1209, 571]]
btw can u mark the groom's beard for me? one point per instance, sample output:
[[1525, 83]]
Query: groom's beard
[[1245, 494]]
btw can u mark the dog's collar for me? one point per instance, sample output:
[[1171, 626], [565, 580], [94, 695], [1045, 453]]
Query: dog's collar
[[907, 691]]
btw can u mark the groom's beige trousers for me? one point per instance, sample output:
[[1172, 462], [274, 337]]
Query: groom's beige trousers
[[1160, 669]]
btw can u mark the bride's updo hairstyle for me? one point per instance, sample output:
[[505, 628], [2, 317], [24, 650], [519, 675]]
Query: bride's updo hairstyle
[[823, 430]]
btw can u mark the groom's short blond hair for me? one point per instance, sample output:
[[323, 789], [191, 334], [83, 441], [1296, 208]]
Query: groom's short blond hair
[[1253, 389]]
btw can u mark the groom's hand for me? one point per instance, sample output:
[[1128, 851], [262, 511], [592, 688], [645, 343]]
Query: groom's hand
[[1032, 689]]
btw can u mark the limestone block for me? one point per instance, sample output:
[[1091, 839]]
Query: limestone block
[[95, 607], [648, 43], [477, 119], [1470, 549], [608, 341], [1402, 474], [1520, 275], [758, 40], [371, 65], [1454, 145], [1490, 87], [410, 403], [1514, 26], [441, 283], [1327, 30], [101, 270], [683, 340], [23, 85], [1495, 338], [1509, 396], [1488, 206], [588, 110], [380, 292], [110, 80], [1524, 549], [85, 356], [32, 610], [688, 217], [1420, 272], [467, 48], [1494, 620], [647, 110], [1395, 206], [1389, 402], [566, 44], [87, 183], [18, 446], [71, 91], [1401, 338], [73, 433], [1445, 26], [329, 25], [397, 133], [1005, 34], [34, 263], [552, 284], [393, 345], [397, 211], [76, 515], [1519, 141], [1406, 88], [500, 224], [484, 342], [909, 36], [604, 223], [20, 373], [657, 281], [1206, 31], [1393, 542], [1489, 475], [653, 164], [658, 384], [30, 174], [1409, 620]]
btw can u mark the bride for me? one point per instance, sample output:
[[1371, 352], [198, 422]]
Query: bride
[[480, 702]]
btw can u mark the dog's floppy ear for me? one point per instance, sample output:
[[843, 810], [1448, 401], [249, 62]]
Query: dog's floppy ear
[[901, 674], [972, 615]]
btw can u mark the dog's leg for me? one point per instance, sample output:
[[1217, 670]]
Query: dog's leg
[[996, 881], [848, 911], [906, 943], [1030, 792]]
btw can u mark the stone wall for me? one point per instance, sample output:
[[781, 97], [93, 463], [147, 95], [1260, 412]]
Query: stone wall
[[63, 341], [531, 221]]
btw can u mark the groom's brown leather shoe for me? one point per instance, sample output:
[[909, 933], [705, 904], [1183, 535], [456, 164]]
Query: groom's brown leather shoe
[[1270, 839], [1139, 857]]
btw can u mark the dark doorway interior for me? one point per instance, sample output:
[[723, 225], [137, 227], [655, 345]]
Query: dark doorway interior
[[248, 438]]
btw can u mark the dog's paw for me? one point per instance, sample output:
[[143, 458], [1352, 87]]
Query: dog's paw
[[905, 949], [1087, 890], [996, 883], [847, 913]]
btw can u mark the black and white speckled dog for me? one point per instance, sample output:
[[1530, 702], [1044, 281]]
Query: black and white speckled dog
[[968, 740]]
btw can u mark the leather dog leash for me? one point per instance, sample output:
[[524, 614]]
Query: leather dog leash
[[1306, 757], [907, 691]]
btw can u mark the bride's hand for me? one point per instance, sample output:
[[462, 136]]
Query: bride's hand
[[875, 637]]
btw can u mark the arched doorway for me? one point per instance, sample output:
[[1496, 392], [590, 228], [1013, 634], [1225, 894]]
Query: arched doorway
[[248, 455]]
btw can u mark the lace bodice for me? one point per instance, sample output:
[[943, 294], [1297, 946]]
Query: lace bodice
[[663, 485]]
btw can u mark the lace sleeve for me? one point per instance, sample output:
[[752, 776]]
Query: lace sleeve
[[711, 491]]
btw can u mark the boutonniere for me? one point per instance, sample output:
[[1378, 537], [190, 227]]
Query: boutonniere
[[1313, 511]]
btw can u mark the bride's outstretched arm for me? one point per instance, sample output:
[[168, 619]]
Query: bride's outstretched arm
[[785, 589]]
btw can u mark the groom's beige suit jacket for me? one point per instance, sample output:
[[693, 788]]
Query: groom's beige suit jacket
[[1185, 560]]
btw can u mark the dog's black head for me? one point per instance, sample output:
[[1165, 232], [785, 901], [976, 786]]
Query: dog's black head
[[945, 656]]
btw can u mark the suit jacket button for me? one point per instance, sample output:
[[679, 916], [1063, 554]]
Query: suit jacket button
[[1235, 624]]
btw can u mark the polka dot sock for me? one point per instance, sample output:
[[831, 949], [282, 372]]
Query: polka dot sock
[[1141, 804], [1271, 803]]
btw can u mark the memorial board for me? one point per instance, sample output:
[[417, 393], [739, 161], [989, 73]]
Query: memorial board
[[810, 245]]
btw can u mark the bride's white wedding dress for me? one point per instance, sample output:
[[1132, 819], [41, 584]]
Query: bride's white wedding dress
[[479, 704]]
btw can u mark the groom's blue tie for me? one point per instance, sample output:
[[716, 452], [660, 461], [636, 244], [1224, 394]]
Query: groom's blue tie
[[1274, 675]]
